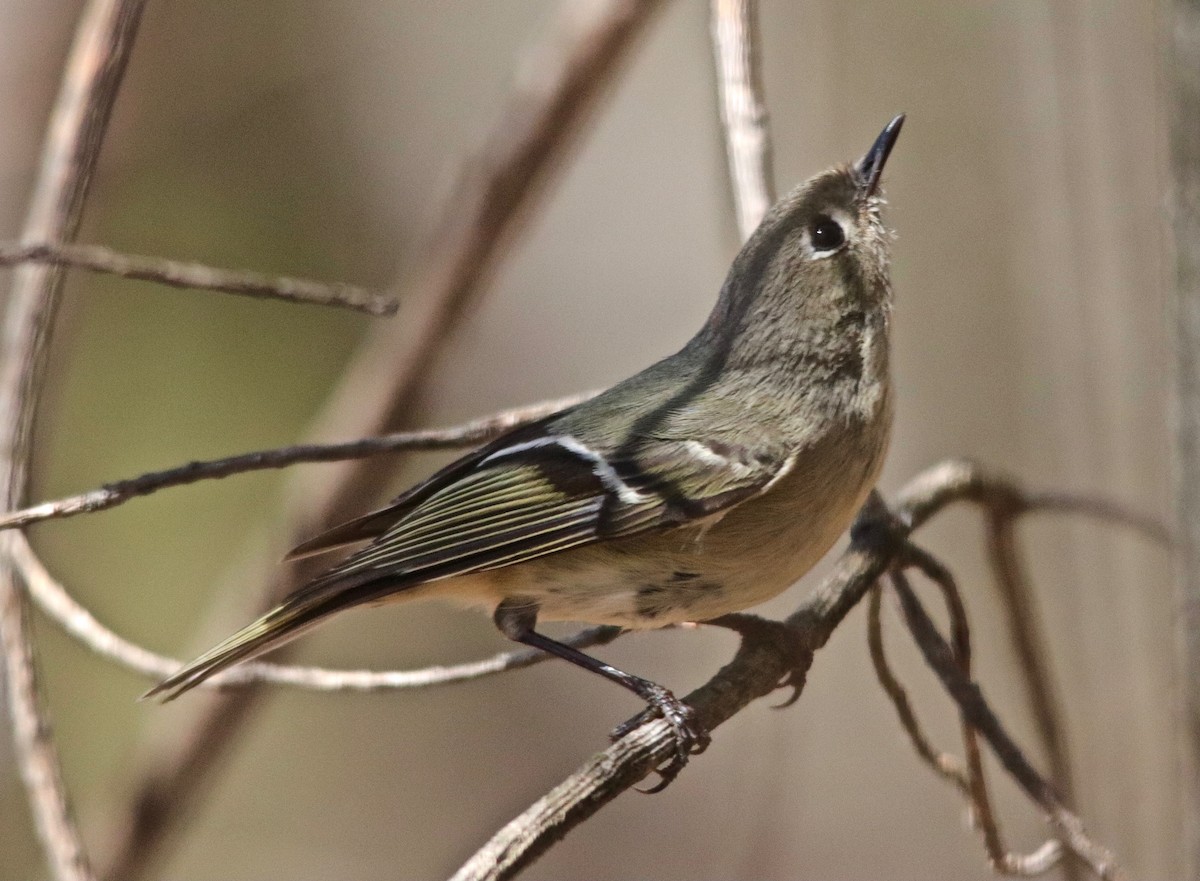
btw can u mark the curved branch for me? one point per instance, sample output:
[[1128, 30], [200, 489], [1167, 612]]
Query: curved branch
[[52, 598]]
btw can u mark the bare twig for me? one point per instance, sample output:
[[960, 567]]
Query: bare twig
[[743, 112], [179, 274], [112, 494], [968, 481], [545, 112], [91, 79], [1183, 73], [940, 656], [944, 764], [52, 598], [1030, 645], [1050, 853]]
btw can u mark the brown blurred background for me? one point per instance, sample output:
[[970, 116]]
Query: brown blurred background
[[321, 138]]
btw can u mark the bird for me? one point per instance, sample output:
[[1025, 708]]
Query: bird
[[706, 484]]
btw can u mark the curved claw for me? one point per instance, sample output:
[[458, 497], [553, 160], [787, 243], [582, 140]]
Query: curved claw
[[795, 681], [690, 737]]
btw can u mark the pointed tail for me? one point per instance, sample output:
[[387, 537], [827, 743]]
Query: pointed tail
[[294, 616]]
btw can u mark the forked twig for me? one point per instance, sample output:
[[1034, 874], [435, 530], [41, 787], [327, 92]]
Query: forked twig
[[112, 494], [197, 276], [1006, 862], [91, 80], [976, 712], [943, 764]]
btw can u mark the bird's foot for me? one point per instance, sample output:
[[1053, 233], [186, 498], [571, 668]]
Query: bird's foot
[[787, 641], [691, 738]]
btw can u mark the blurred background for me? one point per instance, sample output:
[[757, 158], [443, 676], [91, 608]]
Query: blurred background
[[322, 139]]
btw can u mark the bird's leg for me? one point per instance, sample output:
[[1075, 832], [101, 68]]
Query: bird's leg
[[516, 619]]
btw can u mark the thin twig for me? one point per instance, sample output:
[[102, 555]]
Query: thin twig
[[91, 80], [940, 656], [1006, 862], [180, 274], [544, 114], [1030, 646], [53, 600], [112, 494], [968, 481], [743, 111], [943, 764]]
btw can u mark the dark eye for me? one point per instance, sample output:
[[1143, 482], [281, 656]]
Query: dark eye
[[826, 233]]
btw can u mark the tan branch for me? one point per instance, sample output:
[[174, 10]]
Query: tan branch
[[91, 80], [743, 112], [179, 274], [382, 389], [117, 493]]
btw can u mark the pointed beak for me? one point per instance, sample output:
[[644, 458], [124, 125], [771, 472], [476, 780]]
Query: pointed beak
[[870, 167]]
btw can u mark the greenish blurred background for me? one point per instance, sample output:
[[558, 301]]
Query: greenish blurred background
[[322, 139]]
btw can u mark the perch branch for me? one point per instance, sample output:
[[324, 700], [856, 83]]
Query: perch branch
[[743, 111], [117, 493], [92, 77], [179, 274], [878, 541], [542, 117]]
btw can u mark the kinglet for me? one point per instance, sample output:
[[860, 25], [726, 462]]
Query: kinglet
[[707, 483]]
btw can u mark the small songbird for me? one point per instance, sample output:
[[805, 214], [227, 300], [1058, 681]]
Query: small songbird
[[707, 483]]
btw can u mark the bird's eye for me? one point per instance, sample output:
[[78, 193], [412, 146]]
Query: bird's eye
[[826, 234]]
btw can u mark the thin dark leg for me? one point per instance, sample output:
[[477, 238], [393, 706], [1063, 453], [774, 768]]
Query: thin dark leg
[[516, 619]]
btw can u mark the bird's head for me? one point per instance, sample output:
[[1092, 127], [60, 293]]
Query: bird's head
[[820, 251]]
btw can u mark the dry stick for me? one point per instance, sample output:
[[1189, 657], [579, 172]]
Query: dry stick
[[1030, 645], [52, 598], [543, 115], [179, 274], [942, 763], [91, 79], [940, 656], [112, 494], [743, 113], [1049, 853]]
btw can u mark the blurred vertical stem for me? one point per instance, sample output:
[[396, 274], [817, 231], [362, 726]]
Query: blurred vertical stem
[[91, 79], [1183, 72], [743, 112]]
